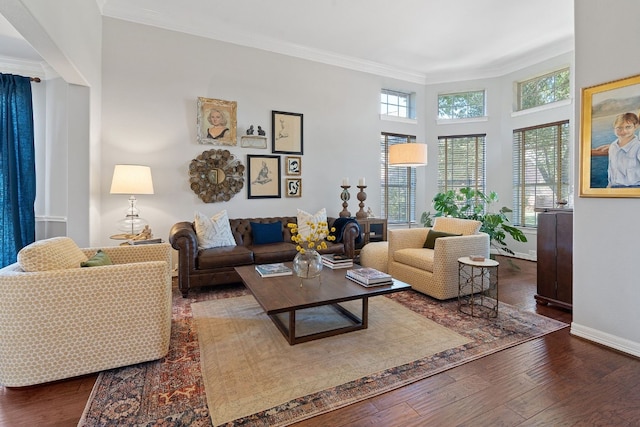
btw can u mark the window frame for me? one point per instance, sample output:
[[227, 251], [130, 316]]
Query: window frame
[[463, 96], [406, 186], [410, 106], [555, 74], [480, 180], [522, 211]]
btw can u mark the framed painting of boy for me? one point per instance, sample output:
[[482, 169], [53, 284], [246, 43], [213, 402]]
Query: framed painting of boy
[[609, 145]]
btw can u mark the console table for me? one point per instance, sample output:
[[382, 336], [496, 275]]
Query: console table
[[373, 230]]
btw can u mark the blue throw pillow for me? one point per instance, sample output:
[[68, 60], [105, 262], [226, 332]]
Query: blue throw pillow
[[266, 233]]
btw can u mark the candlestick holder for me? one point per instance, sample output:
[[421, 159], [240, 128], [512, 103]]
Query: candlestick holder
[[362, 196], [345, 196]]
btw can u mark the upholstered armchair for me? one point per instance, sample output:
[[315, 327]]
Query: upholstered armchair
[[60, 320], [435, 271]]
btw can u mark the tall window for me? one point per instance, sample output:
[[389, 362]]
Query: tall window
[[397, 104], [462, 105], [398, 183], [540, 169], [542, 90], [461, 161]]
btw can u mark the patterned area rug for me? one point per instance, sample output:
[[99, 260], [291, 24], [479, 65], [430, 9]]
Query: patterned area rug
[[170, 391]]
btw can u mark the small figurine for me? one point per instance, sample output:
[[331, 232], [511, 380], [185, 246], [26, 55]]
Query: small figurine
[[260, 131], [250, 130], [145, 234], [370, 213]]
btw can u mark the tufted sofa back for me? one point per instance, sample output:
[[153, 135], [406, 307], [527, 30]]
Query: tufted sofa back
[[241, 228]]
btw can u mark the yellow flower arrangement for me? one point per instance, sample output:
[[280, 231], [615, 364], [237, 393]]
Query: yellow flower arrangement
[[316, 238]]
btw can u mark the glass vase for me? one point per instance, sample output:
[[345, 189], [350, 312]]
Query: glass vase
[[308, 264]]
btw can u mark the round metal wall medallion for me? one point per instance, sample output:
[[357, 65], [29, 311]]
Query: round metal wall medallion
[[216, 176]]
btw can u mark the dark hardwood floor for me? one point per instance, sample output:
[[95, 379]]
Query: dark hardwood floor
[[556, 380]]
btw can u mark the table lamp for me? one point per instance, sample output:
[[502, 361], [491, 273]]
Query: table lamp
[[131, 179]]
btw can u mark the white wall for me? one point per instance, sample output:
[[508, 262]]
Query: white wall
[[605, 273], [149, 117], [498, 126], [67, 34], [152, 79]]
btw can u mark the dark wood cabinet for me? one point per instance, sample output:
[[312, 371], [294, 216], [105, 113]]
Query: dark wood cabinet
[[555, 258]]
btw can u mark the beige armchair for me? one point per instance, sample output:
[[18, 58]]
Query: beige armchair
[[66, 321], [435, 271]]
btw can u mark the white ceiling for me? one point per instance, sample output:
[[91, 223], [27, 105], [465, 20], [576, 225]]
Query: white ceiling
[[415, 40]]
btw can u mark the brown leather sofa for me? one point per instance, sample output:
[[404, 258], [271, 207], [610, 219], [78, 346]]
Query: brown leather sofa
[[215, 266]]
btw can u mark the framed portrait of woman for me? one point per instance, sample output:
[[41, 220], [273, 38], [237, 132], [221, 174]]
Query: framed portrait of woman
[[217, 121], [609, 144]]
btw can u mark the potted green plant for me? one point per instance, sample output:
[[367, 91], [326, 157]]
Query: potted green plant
[[468, 203]]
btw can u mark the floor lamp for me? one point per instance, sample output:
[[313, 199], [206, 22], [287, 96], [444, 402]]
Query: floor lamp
[[132, 179], [408, 155]]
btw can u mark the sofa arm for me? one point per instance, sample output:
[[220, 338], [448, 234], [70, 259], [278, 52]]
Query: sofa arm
[[448, 250], [406, 238], [128, 254], [82, 320], [183, 238], [350, 233]]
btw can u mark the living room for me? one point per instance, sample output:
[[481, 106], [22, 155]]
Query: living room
[[127, 93]]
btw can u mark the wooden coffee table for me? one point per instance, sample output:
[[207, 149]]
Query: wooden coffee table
[[282, 297]]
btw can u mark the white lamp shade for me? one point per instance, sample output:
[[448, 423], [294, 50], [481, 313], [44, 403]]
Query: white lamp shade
[[131, 179], [412, 154]]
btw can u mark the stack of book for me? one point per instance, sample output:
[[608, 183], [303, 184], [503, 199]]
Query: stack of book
[[273, 270], [367, 276], [334, 261], [145, 242]]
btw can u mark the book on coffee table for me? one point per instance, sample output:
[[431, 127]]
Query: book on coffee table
[[370, 285], [273, 270], [369, 276], [334, 261]]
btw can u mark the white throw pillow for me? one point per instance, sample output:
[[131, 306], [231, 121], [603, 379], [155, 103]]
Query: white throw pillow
[[213, 232], [305, 217]]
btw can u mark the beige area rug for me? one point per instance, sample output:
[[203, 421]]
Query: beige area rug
[[249, 367]]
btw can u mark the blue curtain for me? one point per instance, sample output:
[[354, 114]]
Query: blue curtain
[[17, 167]]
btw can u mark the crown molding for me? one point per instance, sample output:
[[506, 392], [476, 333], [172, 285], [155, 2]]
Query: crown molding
[[506, 65], [147, 17], [23, 67]]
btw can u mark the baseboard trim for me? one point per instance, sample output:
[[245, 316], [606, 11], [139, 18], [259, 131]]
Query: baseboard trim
[[518, 255], [621, 344]]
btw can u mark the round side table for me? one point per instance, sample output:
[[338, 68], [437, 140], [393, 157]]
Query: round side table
[[478, 287]]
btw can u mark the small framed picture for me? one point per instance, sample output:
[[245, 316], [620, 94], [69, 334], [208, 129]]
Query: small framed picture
[[294, 187], [264, 176], [293, 165], [286, 132], [217, 121]]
